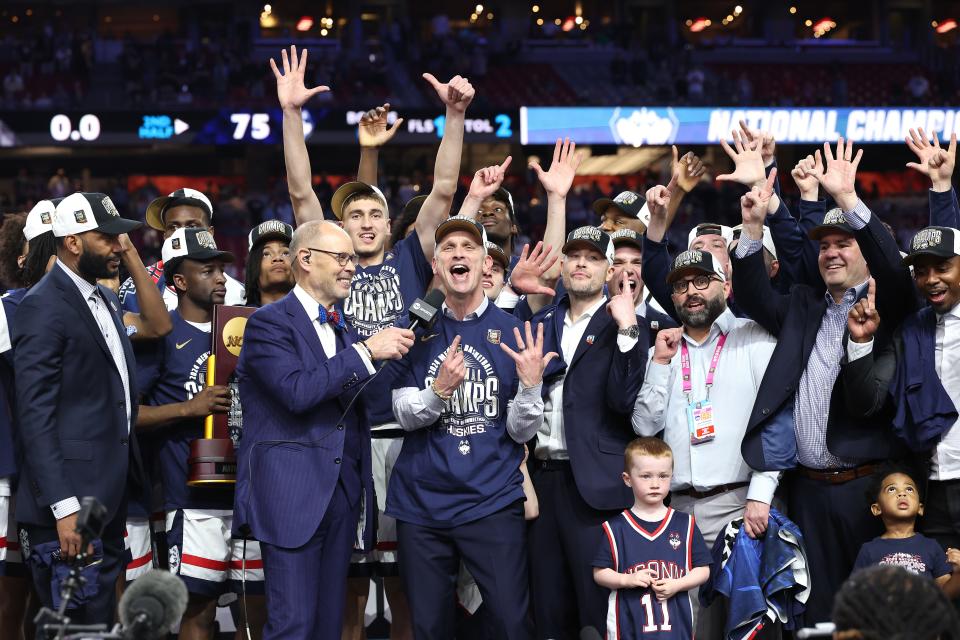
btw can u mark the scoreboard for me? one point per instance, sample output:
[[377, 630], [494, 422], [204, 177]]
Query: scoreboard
[[227, 126]]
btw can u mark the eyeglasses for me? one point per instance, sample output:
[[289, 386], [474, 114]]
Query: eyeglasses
[[341, 258], [699, 283]]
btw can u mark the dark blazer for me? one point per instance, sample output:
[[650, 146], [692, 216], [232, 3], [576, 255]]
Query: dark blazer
[[770, 442], [599, 390], [71, 414], [291, 453]]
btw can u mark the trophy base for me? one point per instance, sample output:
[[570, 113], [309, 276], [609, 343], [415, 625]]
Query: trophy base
[[212, 461]]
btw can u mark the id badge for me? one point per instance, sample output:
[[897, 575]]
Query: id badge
[[700, 422]]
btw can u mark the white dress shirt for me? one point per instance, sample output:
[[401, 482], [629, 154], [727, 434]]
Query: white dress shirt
[[551, 437], [417, 408], [101, 314], [325, 330], [662, 405], [945, 462]]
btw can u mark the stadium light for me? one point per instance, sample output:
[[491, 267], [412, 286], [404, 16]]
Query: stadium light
[[699, 25], [737, 10], [536, 8], [947, 25], [478, 9], [793, 10], [305, 23]]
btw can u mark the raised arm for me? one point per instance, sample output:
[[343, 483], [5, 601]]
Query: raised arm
[[937, 164], [685, 173], [456, 95], [373, 133], [656, 258], [153, 320], [293, 94], [557, 182], [485, 183], [866, 374]]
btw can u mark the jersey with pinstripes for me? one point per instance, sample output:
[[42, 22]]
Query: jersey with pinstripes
[[668, 549]]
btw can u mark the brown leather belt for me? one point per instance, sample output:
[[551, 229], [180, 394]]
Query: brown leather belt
[[700, 495], [839, 476]]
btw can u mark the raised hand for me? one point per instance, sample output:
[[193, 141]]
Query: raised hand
[[621, 307], [807, 176], [487, 180], [933, 161], [658, 199], [840, 177], [754, 203], [530, 359], [373, 131], [456, 94], [768, 145], [863, 319], [452, 371], [291, 91], [525, 276], [687, 169], [748, 168], [558, 180], [666, 345]]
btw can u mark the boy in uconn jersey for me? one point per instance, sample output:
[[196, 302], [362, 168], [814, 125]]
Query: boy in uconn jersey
[[650, 556]]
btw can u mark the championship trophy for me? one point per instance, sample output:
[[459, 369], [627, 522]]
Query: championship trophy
[[213, 460]]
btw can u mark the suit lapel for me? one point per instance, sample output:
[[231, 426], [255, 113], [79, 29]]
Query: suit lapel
[[599, 324], [72, 296], [301, 322], [117, 316]]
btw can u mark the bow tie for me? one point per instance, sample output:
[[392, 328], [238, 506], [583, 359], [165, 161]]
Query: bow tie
[[333, 317]]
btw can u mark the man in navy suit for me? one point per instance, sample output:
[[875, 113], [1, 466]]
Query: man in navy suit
[[800, 419], [304, 476], [76, 401], [576, 461]]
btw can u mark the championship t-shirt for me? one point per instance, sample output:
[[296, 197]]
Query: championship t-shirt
[[174, 369], [917, 554], [464, 466], [379, 295], [669, 549]]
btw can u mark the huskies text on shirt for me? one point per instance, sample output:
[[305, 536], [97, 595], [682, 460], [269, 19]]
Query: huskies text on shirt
[[669, 549], [379, 295], [174, 370], [465, 466]]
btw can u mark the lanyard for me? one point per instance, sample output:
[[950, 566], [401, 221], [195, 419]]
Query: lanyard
[[685, 365]]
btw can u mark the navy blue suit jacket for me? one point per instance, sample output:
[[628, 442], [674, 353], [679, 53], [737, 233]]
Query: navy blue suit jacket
[[599, 390], [290, 455], [71, 414], [794, 318]]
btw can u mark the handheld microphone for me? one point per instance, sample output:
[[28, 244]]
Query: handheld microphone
[[152, 605], [424, 311]]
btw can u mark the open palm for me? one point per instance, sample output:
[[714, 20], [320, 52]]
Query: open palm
[[840, 177], [291, 91], [563, 168]]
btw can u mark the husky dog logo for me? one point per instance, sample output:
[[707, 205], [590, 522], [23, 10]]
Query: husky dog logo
[[464, 447], [674, 540], [173, 559]]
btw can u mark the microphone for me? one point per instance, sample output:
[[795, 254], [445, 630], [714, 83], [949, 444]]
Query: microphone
[[152, 605], [424, 311]]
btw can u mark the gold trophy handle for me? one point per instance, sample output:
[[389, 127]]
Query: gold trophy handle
[[208, 421]]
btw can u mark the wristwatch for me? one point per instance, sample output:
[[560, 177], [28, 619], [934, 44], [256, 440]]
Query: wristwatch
[[632, 332]]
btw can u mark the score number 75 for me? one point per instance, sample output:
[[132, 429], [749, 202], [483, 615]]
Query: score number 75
[[257, 123]]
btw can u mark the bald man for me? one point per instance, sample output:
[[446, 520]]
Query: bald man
[[304, 475]]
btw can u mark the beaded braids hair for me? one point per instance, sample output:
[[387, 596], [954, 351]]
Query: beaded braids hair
[[886, 602], [11, 246]]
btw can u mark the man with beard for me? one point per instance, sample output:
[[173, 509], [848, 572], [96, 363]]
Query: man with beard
[[76, 402], [576, 459], [799, 420], [628, 260], [175, 402], [923, 366], [184, 208], [697, 391]]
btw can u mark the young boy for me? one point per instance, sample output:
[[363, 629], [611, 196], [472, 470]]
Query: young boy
[[650, 556], [895, 499]]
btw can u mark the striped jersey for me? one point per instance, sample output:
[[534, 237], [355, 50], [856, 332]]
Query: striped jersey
[[668, 549]]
